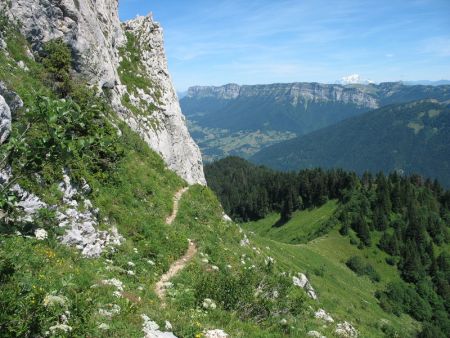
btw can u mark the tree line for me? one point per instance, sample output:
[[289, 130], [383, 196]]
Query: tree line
[[407, 217]]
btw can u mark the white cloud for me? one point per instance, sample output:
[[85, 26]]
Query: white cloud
[[354, 79]]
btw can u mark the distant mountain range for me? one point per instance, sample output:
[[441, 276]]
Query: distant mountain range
[[428, 82], [242, 120], [410, 138]]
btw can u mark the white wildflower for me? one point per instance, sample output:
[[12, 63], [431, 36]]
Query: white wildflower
[[130, 273], [117, 294], [131, 264], [103, 326], [61, 327], [40, 234], [149, 261], [114, 282], [209, 304], [114, 310], [51, 300], [269, 261], [215, 268], [245, 241], [63, 319]]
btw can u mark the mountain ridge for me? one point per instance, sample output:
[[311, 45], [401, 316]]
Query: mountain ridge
[[411, 137], [242, 120]]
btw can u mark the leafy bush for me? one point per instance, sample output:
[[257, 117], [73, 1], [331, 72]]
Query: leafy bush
[[357, 264], [57, 59], [399, 297], [254, 295]]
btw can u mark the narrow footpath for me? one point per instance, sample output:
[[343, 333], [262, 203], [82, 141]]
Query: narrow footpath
[[177, 266]]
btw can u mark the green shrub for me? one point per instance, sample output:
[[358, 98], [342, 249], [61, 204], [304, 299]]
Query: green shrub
[[57, 59], [361, 268]]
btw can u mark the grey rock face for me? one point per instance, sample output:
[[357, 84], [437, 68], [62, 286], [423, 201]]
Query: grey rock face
[[226, 92], [91, 28], [82, 226], [5, 120], [165, 129], [3, 44], [302, 281], [28, 202], [12, 99], [95, 34]]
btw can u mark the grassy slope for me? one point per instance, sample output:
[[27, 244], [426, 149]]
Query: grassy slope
[[341, 292], [297, 229], [137, 198]]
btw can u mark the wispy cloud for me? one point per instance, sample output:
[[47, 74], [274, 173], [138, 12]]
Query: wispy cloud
[[290, 40], [438, 46]]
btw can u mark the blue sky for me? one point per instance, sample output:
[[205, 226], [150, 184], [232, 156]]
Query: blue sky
[[213, 42]]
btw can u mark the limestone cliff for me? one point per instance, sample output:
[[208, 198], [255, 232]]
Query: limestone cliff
[[142, 94], [292, 93]]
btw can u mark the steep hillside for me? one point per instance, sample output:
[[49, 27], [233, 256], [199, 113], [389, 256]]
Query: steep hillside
[[126, 60], [410, 138], [382, 239], [99, 238], [240, 120]]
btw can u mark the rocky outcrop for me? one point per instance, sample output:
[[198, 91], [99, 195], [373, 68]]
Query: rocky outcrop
[[10, 102], [302, 281], [322, 314], [216, 334], [151, 329], [346, 330], [12, 99], [93, 31], [5, 120], [81, 224], [161, 123]]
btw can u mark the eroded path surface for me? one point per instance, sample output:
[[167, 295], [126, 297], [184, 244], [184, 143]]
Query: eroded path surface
[[177, 266], [176, 201]]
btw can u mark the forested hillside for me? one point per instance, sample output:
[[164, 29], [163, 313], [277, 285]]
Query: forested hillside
[[240, 120], [408, 138], [406, 217]]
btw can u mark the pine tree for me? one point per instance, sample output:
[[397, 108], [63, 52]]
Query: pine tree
[[288, 208], [362, 230]]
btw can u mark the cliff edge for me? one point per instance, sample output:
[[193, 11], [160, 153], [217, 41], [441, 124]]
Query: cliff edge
[[125, 60]]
